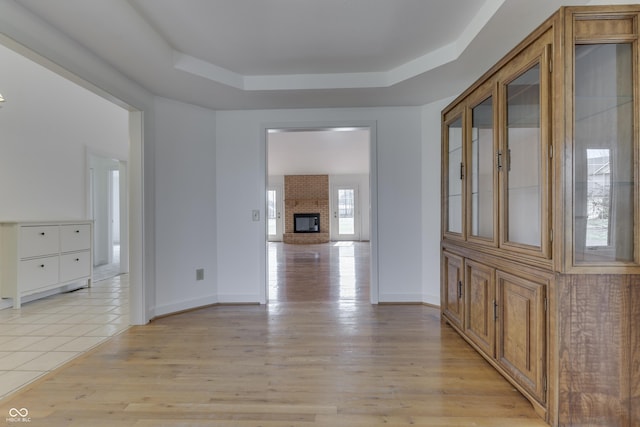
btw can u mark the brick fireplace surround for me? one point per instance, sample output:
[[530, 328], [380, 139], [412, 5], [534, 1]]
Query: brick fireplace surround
[[306, 194]]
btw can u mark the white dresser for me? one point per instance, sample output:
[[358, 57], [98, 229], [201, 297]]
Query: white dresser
[[40, 256]]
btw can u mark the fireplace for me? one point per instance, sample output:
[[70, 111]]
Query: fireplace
[[306, 223]]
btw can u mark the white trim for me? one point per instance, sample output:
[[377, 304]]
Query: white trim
[[373, 189], [398, 298], [190, 304], [378, 79], [239, 299], [431, 299], [138, 312]]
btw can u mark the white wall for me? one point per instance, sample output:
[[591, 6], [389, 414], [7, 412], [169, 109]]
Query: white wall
[[237, 163], [240, 185], [185, 206], [430, 195], [47, 124], [33, 38]]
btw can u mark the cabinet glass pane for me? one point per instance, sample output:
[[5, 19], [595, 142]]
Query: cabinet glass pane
[[522, 159], [481, 172], [603, 153], [454, 196]]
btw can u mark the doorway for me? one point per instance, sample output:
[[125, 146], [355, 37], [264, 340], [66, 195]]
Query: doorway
[[347, 156], [345, 215], [114, 217], [108, 188], [274, 212]]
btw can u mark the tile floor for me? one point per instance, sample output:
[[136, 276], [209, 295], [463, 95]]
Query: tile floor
[[46, 333]]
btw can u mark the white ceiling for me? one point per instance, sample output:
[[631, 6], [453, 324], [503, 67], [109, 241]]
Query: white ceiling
[[232, 54], [318, 152]]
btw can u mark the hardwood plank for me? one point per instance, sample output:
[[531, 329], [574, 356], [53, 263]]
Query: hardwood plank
[[289, 363]]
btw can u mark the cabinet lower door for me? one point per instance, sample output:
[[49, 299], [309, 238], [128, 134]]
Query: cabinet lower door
[[452, 283], [521, 342], [479, 311]]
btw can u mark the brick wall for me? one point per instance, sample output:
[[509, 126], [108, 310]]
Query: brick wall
[[306, 194]]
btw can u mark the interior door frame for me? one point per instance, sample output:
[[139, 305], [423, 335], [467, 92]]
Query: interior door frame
[[123, 201], [373, 196], [136, 259]]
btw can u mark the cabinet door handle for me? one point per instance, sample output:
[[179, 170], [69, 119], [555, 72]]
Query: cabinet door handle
[[459, 289], [461, 170], [495, 310], [499, 159]]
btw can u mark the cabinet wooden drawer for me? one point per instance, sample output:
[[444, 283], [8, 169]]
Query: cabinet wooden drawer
[[75, 237], [37, 273], [75, 266], [38, 241]]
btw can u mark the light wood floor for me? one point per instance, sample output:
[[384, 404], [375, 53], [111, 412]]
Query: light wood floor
[[294, 362]]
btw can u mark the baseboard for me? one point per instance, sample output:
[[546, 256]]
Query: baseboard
[[433, 300], [400, 298], [164, 310], [238, 299]]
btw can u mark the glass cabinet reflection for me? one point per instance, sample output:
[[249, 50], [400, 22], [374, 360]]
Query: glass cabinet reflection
[[603, 169], [520, 159], [481, 171], [454, 184]]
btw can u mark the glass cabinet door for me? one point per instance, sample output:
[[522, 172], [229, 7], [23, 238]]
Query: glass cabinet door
[[603, 169], [481, 171], [520, 160], [454, 198]]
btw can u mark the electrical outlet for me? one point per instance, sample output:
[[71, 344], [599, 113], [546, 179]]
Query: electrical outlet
[[200, 274]]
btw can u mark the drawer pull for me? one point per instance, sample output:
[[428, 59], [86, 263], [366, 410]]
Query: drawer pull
[[77, 231], [42, 234], [77, 259], [41, 265]]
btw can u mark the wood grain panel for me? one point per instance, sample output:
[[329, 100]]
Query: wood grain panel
[[599, 350], [634, 349], [451, 288], [521, 346], [480, 289], [586, 29]]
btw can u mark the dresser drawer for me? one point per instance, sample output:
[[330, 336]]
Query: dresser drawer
[[75, 237], [75, 266], [37, 273], [39, 240]]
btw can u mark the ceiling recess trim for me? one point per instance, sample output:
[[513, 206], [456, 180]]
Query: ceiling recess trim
[[406, 71]]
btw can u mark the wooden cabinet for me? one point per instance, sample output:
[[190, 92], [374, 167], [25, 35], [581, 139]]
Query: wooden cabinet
[[541, 216], [480, 306], [503, 315], [36, 257], [452, 303], [521, 325]]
